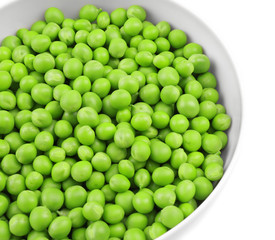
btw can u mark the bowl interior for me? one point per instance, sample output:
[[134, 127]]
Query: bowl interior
[[21, 14]]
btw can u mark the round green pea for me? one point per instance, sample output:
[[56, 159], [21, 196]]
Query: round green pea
[[164, 197], [98, 230], [60, 227], [19, 225], [211, 143], [117, 47], [40, 218], [52, 198], [143, 202], [81, 171], [203, 188], [92, 211], [75, 196], [160, 152], [200, 62], [163, 176], [133, 26]]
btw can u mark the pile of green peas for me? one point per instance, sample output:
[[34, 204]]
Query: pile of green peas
[[110, 127]]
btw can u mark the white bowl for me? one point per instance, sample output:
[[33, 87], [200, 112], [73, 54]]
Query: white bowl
[[22, 13]]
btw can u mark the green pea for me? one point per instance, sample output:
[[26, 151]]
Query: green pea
[[77, 218], [5, 232], [136, 220], [160, 119], [187, 209], [116, 153], [81, 171], [118, 16], [164, 197], [5, 80], [92, 211], [19, 225], [123, 115], [163, 176], [60, 171], [105, 131], [164, 28], [143, 202], [201, 62], [52, 198], [207, 80], [133, 26], [147, 45], [134, 233], [160, 152], [142, 178], [140, 151], [120, 99], [126, 168], [211, 143], [73, 68], [40, 43], [191, 48], [89, 12], [220, 108], [101, 87], [11, 42], [98, 230], [101, 55], [195, 158], [137, 12], [60, 227], [119, 183], [67, 35], [223, 137], [173, 140], [75, 196], [43, 62], [168, 76], [124, 137], [171, 216], [5, 53], [221, 122], [207, 109], [117, 47], [203, 188], [38, 26], [40, 218], [179, 123], [54, 15], [209, 94], [113, 213], [51, 29], [70, 146], [81, 36], [142, 107], [96, 38], [150, 94], [103, 19], [101, 162], [93, 70], [85, 153], [214, 172], [188, 105], [200, 124]]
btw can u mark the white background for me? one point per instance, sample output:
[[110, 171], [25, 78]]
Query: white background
[[245, 208]]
